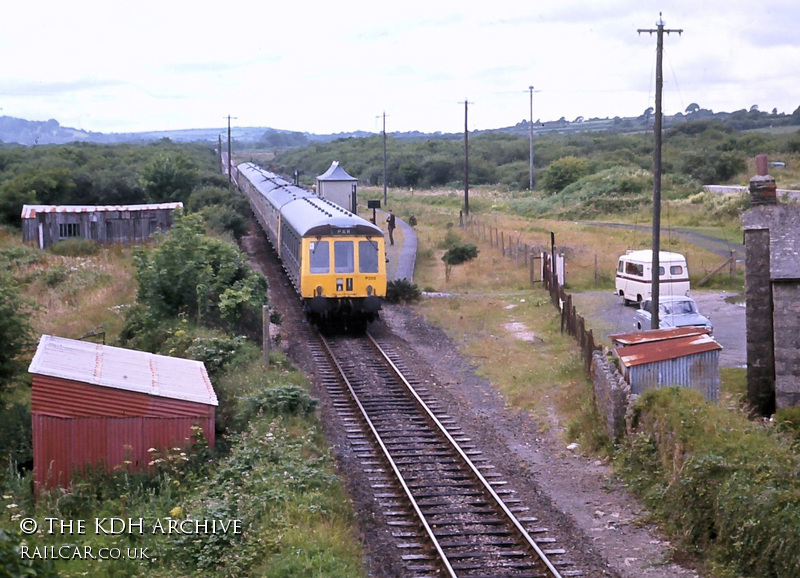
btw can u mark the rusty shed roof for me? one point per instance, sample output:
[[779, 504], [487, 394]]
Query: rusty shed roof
[[652, 335], [30, 211], [662, 344], [126, 369]]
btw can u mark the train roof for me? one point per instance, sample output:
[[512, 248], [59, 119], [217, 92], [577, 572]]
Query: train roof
[[314, 216], [268, 183], [306, 212]]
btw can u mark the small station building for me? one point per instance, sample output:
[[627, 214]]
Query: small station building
[[99, 405], [338, 187]]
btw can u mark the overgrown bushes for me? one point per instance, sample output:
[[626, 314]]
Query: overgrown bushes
[[206, 279], [727, 487], [402, 291]]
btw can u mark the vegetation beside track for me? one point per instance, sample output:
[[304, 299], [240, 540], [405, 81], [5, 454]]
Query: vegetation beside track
[[733, 480], [271, 469]]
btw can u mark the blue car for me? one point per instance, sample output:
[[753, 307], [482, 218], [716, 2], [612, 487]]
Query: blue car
[[674, 311]]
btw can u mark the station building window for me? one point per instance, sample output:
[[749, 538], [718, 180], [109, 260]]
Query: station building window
[[69, 230]]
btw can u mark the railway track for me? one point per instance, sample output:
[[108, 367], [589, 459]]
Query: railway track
[[450, 512]]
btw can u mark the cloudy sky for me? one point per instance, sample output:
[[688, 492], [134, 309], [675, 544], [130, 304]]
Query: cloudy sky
[[327, 67]]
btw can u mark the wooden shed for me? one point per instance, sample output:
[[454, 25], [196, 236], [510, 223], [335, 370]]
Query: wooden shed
[[102, 405], [683, 356], [338, 187], [48, 224]]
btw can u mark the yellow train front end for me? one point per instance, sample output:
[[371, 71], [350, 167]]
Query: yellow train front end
[[343, 279]]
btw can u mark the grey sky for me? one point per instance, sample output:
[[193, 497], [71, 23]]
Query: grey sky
[[329, 67]]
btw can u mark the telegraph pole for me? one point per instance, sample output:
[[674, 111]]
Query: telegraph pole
[[654, 302], [466, 157], [385, 201], [532, 182], [230, 174]]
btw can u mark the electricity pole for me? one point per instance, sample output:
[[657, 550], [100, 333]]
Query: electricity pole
[[654, 301], [466, 157], [532, 182], [385, 201], [230, 174]]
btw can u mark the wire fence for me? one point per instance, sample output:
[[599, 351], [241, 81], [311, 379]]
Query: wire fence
[[539, 261]]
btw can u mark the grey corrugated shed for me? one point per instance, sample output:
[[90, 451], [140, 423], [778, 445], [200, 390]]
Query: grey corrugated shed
[[700, 371], [666, 357], [127, 369]]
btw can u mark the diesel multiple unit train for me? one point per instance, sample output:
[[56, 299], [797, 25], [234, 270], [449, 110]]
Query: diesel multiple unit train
[[335, 259]]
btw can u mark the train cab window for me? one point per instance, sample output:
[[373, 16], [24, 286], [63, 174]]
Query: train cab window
[[343, 257], [319, 257], [367, 257]]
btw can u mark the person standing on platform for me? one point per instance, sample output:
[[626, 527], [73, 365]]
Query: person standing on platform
[[390, 219]]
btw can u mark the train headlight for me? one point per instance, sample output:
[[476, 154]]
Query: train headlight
[[369, 290], [319, 290]]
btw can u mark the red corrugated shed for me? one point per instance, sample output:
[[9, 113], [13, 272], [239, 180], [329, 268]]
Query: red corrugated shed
[[96, 404]]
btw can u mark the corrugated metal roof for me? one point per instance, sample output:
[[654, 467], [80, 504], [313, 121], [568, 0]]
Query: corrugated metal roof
[[30, 211], [656, 350], [335, 173], [127, 369], [655, 335]]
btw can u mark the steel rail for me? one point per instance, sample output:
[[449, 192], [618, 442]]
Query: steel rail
[[469, 463], [442, 556]]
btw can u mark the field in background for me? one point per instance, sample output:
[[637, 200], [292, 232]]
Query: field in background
[[508, 326]]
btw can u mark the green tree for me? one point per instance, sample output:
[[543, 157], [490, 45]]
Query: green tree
[[457, 254], [34, 186], [168, 179], [189, 273], [712, 166], [564, 172], [16, 333]]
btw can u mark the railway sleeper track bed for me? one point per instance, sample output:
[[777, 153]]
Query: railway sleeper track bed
[[448, 509]]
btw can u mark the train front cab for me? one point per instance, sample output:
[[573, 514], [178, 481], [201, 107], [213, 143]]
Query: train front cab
[[343, 279]]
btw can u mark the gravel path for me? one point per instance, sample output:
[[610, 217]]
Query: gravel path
[[715, 245]]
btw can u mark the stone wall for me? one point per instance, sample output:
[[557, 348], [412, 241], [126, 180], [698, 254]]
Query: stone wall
[[758, 311], [786, 321], [772, 290], [611, 394]]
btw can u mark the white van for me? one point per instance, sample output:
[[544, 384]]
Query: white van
[[634, 275]]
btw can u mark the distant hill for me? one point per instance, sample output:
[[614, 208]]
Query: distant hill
[[30, 133]]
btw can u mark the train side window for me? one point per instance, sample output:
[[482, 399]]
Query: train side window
[[367, 257], [676, 270], [319, 257], [343, 257]]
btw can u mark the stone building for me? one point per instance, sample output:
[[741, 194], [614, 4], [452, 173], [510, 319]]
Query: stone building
[[772, 262]]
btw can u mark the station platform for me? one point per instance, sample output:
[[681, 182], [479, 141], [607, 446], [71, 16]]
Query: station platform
[[402, 255]]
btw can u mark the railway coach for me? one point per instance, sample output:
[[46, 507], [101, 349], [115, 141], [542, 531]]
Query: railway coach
[[335, 259]]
